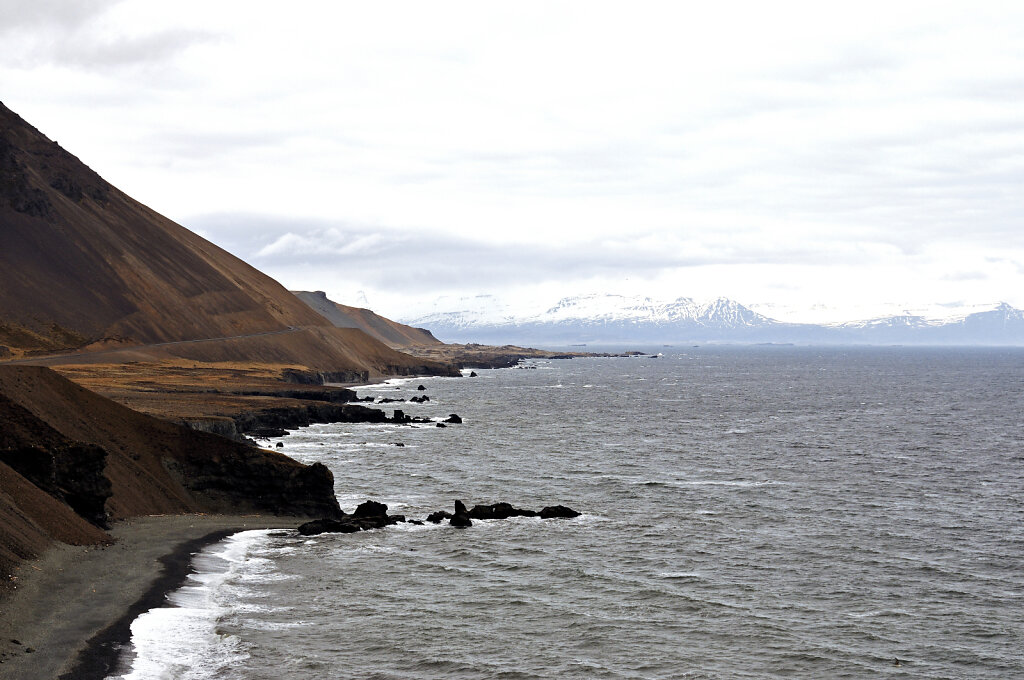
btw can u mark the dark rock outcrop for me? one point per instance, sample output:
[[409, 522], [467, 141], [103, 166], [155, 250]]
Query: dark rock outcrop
[[439, 516], [371, 509], [558, 511], [69, 470], [368, 515], [499, 511], [321, 526], [294, 417], [421, 388], [453, 418], [402, 418], [461, 516], [321, 377]]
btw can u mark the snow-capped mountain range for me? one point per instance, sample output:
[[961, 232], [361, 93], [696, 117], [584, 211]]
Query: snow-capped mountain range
[[616, 319]]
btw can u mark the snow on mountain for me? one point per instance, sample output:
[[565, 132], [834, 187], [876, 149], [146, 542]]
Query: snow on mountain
[[901, 321], [605, 318], [591, 318]]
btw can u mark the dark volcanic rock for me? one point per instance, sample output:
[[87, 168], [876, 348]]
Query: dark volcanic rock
[[461, 516], [371, 509], [453, 418], [333, 395], [321, 526], [499, 511], [439, 516], [558, 511], [421, 388], [402, 418], [472, 374], [369, 515], [72, 471], [420, 400], [319, 378], [268, 432], [294, 417]]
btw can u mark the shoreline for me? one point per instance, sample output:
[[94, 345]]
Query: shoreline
[[75, 605]]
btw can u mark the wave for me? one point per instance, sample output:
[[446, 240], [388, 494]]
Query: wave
[[182, 640]]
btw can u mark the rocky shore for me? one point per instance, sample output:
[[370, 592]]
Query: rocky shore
[[106, 505]]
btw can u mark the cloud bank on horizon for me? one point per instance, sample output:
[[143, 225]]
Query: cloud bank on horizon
[[791, 154]]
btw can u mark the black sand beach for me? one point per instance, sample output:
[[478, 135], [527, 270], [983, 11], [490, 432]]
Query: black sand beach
[[74, 606]]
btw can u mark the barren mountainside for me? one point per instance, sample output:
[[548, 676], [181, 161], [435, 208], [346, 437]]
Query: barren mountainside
[[391, 333], [85, 266], [82, 261]]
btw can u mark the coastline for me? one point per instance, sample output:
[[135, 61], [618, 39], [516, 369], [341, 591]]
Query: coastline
[[75, 604]]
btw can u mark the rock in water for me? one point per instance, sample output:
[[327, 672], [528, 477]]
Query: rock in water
[[437, 517], [453, 418], [461, 516], [556, 511], [371, 509], [320, 526], [499, 511], [421, 388]]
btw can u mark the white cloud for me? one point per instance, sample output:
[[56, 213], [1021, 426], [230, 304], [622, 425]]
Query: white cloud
[[789, 149]]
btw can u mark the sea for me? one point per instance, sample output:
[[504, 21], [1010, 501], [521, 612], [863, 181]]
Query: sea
[[748, 512]]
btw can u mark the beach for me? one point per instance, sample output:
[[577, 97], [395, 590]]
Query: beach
[[74, 605]]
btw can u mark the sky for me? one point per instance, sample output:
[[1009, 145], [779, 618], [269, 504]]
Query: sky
[[814, 161]]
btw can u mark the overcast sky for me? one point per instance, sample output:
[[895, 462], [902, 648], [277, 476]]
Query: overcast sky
[[809, 160]]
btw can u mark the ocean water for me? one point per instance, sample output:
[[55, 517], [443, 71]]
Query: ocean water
[[748, 513]]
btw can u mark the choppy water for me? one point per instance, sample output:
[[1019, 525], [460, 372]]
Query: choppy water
[[749, 513]]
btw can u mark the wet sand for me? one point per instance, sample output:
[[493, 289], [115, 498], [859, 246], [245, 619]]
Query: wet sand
[[73, 606]]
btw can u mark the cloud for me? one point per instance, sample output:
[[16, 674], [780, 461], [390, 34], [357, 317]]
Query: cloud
[[99, 52], [50, 15], [83, 35], [439, 147], [388, 258], [966, 276]]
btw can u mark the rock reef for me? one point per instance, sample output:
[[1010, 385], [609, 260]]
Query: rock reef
[[373, 515]]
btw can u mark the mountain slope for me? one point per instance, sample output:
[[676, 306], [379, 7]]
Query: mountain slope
[[389, 332], [82, 261], [85, 266]]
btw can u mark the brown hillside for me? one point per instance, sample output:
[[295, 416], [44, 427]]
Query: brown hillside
[[82, 261], [389, 332], [60, 442]]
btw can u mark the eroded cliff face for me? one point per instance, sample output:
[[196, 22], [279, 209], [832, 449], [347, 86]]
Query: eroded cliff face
[[62, 444]]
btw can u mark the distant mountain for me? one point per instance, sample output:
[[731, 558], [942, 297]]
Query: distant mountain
[[616, 319]]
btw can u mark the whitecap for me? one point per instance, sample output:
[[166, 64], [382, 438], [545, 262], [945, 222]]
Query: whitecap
[[181, 641]]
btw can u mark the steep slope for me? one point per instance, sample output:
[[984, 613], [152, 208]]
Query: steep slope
[[389, 332], [69, 457], [82, 262]]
